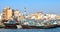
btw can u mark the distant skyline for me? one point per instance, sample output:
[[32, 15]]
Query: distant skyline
[[32, 6]]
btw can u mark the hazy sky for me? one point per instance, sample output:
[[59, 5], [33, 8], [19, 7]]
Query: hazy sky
[[32, 6]]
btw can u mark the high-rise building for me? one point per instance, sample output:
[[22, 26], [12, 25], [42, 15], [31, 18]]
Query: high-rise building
[[7, 13]]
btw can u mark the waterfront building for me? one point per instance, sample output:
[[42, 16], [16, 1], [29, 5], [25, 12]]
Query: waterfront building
[[41, 16], [36, 16], [16, 13], [51, 16], [7, 13], [0, 17], [21, 17], [57, 17]]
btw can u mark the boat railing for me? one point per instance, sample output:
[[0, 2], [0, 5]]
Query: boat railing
[[33, 22]]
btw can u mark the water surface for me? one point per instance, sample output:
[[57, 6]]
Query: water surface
[[31, 30]]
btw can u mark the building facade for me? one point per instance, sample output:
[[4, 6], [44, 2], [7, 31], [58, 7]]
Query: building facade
[[7, 13], [16, 13], [0, 17]]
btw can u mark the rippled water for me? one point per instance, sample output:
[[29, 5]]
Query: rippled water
[[31, 30]]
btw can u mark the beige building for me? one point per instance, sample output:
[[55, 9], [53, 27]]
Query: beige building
[[37, 16], [0, 17], [57, 17], [16, 13], [7, 13]]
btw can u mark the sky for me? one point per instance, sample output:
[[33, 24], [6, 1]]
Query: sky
[[32, 6]]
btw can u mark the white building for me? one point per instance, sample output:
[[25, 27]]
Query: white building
[[16, 13], [52, 16]]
